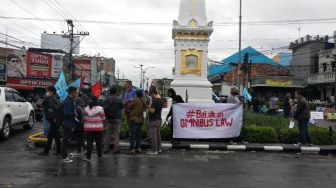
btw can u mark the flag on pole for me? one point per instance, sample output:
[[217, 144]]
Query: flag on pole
[[61, 87], [97, 89], [247, 95], [76, 83]]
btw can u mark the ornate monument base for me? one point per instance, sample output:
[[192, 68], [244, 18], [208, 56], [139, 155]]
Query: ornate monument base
[[197, 91]]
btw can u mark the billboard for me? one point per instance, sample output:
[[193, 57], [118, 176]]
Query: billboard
[[38, 64], [83, 68], [16, 63], [59, 42], [28, 84]]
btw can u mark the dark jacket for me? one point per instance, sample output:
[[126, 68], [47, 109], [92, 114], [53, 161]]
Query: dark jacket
[[287, 107], [302, 110], [69, 113], [50, 104], [113, 107]]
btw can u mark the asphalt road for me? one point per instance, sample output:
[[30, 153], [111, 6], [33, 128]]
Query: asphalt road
[[21, 166]]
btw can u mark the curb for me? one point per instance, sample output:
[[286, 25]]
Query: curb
[[247, 147]]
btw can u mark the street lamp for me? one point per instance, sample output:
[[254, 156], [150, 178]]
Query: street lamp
[[140, 67], [144, 75]]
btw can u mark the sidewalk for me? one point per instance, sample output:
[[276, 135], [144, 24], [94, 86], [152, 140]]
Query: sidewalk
[[289, 148]]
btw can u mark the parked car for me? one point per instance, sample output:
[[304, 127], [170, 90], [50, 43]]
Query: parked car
[[15, 111]]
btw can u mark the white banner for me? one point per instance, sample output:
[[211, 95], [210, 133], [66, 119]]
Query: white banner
[[204, 121]]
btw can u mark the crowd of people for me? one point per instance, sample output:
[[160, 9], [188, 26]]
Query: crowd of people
[[297, 109], [99, 119]]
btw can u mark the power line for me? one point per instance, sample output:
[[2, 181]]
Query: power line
[[18, 39], [220, 23]]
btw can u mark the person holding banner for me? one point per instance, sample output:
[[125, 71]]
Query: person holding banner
[[233, 98], [176, 99], [155, 121]]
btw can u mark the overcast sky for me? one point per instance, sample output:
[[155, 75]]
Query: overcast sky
[[151, 44]]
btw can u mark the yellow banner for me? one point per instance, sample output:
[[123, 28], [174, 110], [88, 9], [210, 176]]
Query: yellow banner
[[279, 83]]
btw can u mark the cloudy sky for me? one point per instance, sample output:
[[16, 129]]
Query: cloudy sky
[[149, 42]]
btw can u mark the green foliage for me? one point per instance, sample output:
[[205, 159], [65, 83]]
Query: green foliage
[[165, 134], [276, 122], [289, 136], [321, 136], [259, 134]]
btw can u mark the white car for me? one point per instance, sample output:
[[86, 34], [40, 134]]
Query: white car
[[14, 111]]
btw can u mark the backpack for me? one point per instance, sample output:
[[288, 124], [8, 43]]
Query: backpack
[[110, 112], [58, 115]]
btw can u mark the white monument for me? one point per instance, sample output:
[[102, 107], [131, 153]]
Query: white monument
[[191, 35]]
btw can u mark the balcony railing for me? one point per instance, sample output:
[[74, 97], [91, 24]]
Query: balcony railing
[[326, 77]]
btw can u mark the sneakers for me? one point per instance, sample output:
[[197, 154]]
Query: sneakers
[[131, 152], [86, 159], [75, 154], [152, 153], [310, 145], [106, 151], [138, 151], [160, 151], [67, 160]]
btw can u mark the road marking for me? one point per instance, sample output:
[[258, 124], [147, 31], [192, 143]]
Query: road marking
[[236, 147], [199, 146], [273, 148]]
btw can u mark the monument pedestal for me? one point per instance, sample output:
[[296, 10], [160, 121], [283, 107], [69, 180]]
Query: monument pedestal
[[198, 91]]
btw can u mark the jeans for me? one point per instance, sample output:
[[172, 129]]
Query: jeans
[[135, 136], [46, 125], [66, 135], [53, 134], [155, 135], [98, 138], [304, 133], [113, 127], [79, 137]]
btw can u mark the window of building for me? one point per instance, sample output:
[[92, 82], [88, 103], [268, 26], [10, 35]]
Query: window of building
[[324, 67], [333, 65]]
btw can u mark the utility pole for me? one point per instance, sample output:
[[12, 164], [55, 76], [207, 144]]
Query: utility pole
[[72, 67], [240, 38]]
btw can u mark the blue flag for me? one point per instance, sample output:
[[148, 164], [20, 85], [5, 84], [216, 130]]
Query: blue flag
[[76, 83], [247, 95], [61, 87]]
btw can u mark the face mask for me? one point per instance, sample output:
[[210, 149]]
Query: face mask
[[48, 94]]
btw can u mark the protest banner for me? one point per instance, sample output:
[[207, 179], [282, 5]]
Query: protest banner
[[207, 121]]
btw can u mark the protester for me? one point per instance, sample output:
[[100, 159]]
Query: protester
[[49, 105], [233, 97], [155, 121], [46, 124], [287, 106], [302, 115], [175, 99], [273, 109], [129, 95], [94, 117], [78, 132], [69, 123], [137, 107], [113, 111]]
